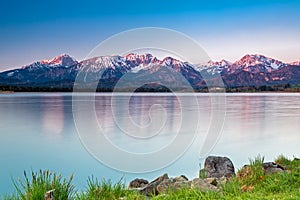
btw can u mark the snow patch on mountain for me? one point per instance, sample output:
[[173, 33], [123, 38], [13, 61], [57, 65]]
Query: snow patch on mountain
[[10, 73]]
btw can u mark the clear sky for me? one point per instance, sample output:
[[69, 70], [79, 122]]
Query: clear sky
[[34, 30]]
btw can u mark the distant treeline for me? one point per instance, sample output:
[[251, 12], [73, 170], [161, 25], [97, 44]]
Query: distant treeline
[[273, 88], [266, 88]]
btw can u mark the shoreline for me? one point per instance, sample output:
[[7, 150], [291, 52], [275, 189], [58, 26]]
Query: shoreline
[[157, 92], [253, 181], [6, 92]]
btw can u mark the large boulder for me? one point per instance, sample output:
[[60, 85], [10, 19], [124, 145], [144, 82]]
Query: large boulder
[[217, 167]]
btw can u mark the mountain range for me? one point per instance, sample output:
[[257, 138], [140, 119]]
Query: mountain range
[[106, 71]]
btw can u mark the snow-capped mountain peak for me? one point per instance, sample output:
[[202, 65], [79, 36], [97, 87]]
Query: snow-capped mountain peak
[[99, 63], [109, 61], [138, 59], [258, 62], [62, 60], [254, 63], [222, 63], [58, 61], [214, 67], [171, 61]]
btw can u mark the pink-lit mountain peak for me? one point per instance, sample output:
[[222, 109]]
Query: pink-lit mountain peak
[[145, 59], [257, 59], [254, 63], [63, 60], [149, 58], [223, 63], [139, 59], [132, 56], [172, 61]]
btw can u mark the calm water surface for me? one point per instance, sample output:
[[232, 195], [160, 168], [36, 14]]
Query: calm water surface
[[37, 131]]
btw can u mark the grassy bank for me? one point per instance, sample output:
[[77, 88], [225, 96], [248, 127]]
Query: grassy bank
[[250, 183]]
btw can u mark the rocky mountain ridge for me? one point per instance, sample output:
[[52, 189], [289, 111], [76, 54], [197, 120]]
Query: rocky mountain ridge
[[61, 71]]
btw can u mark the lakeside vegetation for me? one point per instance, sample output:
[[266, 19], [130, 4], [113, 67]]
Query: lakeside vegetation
[[249, 183], [245, 89]]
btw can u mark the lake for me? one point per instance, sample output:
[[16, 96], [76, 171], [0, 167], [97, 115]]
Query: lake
[[143, 135]]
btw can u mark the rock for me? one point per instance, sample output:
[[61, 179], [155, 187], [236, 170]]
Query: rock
[[212, 181], [172, 184], [181, 184], [267, 168], [138, 183], [176, 184], [151, 188], [271, 168], [217, 167], [222, 180], [202, 185], [181, 178], [49, 195], [163, 184]]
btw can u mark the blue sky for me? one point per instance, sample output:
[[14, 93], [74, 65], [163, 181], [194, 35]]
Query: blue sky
[[35, 30]]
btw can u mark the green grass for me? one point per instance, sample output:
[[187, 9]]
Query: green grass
[[105, 189], [35, 186], [250, 183]]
